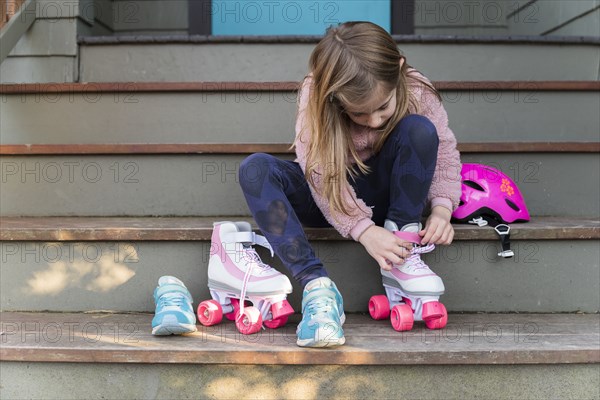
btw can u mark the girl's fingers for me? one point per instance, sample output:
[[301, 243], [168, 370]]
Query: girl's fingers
[[435, 232], [384, 264], [451, 236], [442, 235], [448, 234], [429, 229], [397, 257], [393, 258], [404, 244], [388, 263]]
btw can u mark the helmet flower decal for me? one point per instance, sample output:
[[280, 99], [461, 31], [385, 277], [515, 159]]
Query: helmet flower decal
[[506, 187]]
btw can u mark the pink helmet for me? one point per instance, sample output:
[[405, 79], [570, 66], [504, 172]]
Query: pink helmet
[[488, 191]]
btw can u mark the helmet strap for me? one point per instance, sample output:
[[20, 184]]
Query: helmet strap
[[501, 229]]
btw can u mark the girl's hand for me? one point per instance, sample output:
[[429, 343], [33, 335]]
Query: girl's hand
[[438, 229], [385, 247]]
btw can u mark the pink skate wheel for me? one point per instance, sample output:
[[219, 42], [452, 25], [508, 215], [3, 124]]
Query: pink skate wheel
[[276, 323], [236, 308], [249, 322], [435, 316], [402, 317], [379, 307], [433, 310], [210, 312], [281, 309]]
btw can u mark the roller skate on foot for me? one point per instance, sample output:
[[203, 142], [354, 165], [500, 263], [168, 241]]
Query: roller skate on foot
[[236, 272], [412, 289], [174, 312], [322, 315]]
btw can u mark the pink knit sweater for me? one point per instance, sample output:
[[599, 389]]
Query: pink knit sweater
[[445, 189]]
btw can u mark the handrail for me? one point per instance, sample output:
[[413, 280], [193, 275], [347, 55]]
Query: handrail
[[8, 8], [16, 26]]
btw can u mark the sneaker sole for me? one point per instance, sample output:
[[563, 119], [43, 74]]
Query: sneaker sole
[[325, 343], [170, 326]]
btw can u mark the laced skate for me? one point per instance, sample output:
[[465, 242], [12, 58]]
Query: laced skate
[[236, 272], [412, 289]]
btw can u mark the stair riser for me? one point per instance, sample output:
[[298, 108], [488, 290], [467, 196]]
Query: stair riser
[[208, 185], [95, 381], [285, 62], [269, 117], [544, 276]]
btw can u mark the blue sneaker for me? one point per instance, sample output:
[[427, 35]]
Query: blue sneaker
[[322, 315], [174, 313]]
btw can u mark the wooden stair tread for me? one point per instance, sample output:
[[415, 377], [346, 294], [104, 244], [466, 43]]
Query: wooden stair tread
[[273, 148], [294, 39], [467, 339], [200, 228], [277, 86]]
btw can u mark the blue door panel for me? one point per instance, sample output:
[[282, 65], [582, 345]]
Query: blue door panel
[[300, 17]]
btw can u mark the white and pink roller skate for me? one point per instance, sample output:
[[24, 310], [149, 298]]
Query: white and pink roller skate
[[235, 272], [412, 289]]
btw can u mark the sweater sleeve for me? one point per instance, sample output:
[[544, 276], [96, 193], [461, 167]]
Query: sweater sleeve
[[347, 225], [445, 188]]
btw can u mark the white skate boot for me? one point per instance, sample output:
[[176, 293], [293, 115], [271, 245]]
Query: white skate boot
[[412, 289], [236, 272]]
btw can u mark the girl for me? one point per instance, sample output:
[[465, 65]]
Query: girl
[[373, 148]]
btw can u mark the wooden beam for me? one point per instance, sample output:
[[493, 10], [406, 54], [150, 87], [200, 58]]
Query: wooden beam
[[558, 339], [141, 87], [8, 8], [16, 26], [83, 229], [273, 148]]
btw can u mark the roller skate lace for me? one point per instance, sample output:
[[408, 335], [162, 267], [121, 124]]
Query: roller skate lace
[[415, 261]]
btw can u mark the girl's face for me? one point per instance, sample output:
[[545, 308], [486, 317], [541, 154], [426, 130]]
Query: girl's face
[[376, 111]]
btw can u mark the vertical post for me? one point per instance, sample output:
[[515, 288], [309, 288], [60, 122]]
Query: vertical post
[[200, 17], [403, 17], [8, 9]]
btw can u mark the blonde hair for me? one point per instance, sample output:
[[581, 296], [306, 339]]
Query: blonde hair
[[347, 65]]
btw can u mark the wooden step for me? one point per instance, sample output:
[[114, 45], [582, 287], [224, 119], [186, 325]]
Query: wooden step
[[228, 86], [231, 112], [146, 182], [272, 148], [467, 339], [277, 39], [83, 264], [200, 229], [285, 58]]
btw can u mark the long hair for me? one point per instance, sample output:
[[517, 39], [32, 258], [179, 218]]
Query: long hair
[[347, 65]]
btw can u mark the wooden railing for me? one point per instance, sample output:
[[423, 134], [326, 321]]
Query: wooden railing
[[9, 8], [15, 19]]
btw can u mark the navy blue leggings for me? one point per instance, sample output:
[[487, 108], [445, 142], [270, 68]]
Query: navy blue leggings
[[280, 200]]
